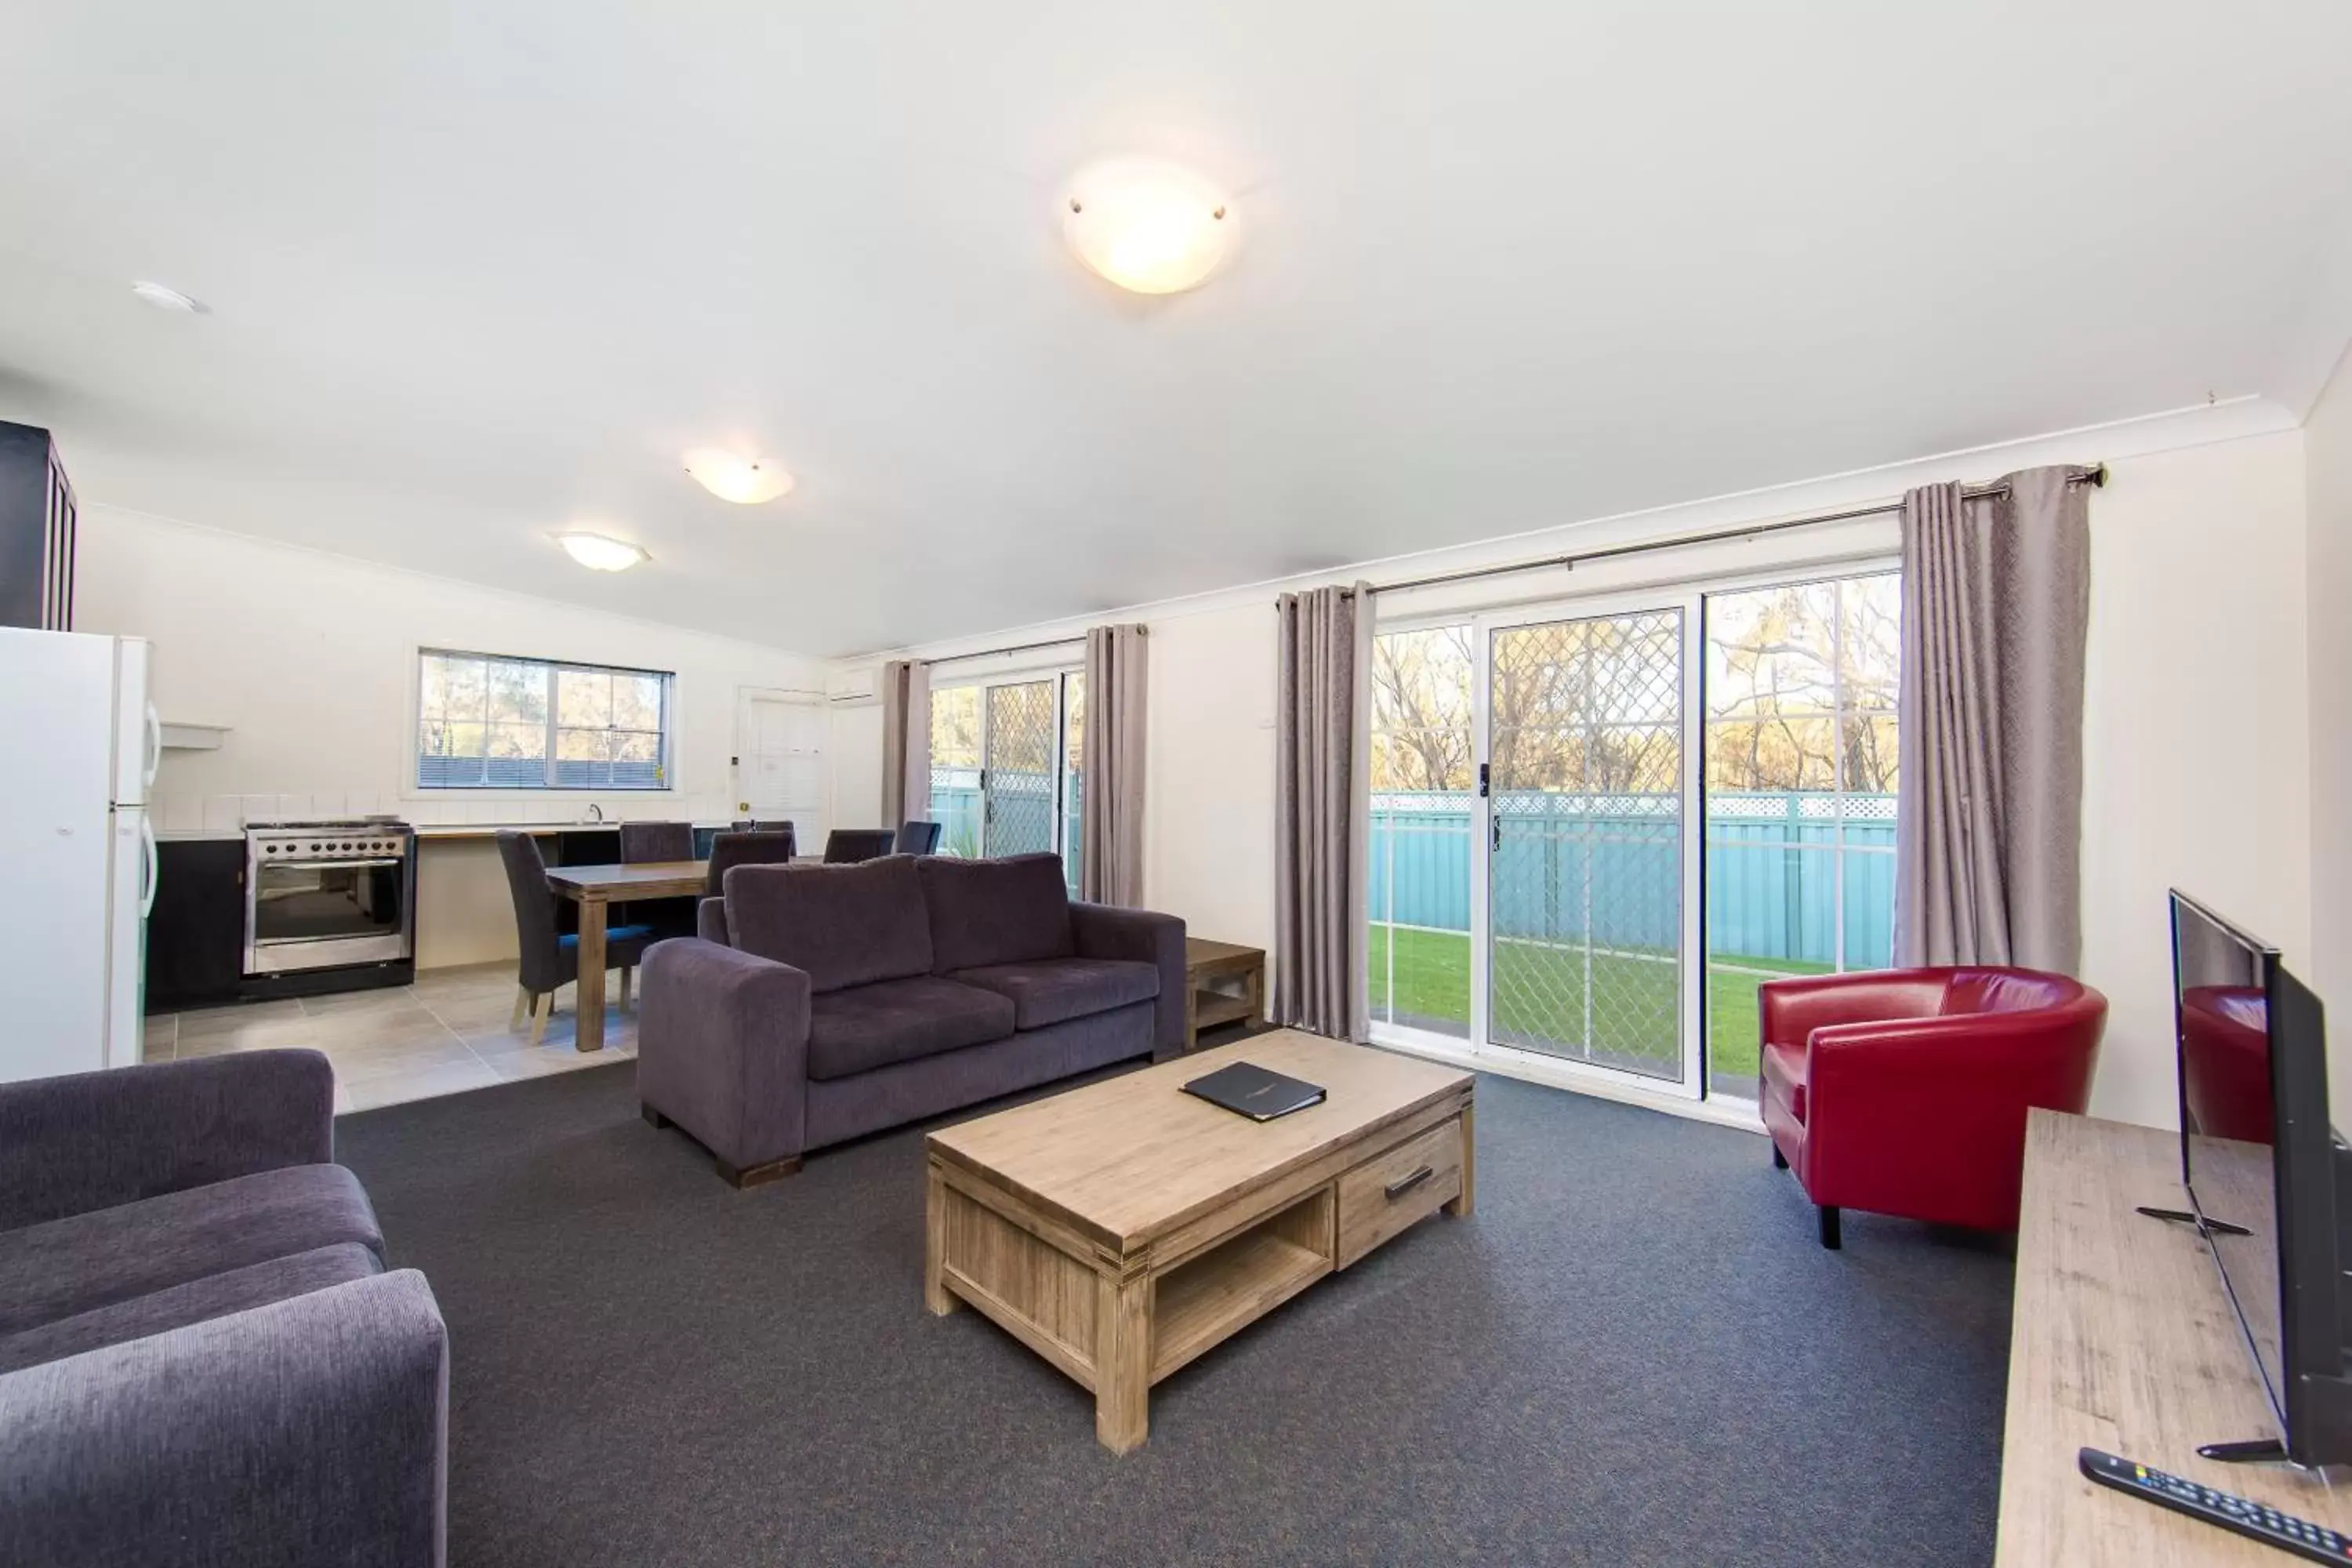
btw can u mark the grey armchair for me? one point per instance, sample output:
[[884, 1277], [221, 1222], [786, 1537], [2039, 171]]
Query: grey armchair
[[202, 1359], [847, 845], [550, 961]]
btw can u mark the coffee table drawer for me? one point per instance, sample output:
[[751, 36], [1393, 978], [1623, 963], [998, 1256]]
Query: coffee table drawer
[[1392, 1190]]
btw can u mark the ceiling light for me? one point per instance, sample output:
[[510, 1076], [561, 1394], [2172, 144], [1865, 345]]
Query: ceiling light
[[747, 482], [164, 298], [599, 553], [1150, 227]]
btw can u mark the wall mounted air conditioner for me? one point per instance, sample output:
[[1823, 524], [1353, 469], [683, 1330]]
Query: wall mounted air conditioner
[[846, 686]]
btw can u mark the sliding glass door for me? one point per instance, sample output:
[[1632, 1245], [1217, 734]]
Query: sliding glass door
[[1531, 854], [1006, 764], [1596, 827]]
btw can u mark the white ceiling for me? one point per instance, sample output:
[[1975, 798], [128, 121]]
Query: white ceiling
[[480, 271]]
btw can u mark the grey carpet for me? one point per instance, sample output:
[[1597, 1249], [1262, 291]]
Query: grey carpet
[[1634, 1354]]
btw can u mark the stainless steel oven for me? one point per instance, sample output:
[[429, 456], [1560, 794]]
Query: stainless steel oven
[[327, 895]]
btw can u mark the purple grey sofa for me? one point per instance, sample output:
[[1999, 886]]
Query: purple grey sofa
[[824, 1003], [202, 1358]]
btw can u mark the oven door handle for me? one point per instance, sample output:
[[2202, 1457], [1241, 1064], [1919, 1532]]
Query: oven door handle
[[314, 865]]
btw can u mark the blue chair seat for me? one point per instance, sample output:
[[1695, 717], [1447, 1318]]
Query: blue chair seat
[[612, 935]]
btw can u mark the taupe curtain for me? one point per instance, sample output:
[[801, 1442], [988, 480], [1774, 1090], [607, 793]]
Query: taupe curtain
[[1110, 837], [1989, 809], [1320, 752], [906, 742]]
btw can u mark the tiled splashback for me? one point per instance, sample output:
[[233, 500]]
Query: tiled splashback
[[230, 813]]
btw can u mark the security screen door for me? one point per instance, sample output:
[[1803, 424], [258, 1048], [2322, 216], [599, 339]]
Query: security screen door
[[1018, 767], [1588, 895]]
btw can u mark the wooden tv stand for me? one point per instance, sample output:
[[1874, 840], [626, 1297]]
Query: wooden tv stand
[[2123, 1339]]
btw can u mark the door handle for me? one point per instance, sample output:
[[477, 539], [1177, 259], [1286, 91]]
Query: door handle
[[155, 867]]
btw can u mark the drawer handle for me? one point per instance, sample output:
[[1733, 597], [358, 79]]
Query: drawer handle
[[1404, 1184]]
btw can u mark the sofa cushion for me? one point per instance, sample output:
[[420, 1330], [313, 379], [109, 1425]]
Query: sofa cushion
[[197, 1302], [1784, 1074], [61, 1267], [869, 1026], [1054, 989], [1013, 910], [842, 925]]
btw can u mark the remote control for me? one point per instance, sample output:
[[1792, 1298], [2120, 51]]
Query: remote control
[[2257, 1521]]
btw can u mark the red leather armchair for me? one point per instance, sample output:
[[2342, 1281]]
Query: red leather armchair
[[1903, 1091]]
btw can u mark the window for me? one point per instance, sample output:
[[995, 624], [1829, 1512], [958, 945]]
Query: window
[[489, 722], [1801, 778], [1423, 800]]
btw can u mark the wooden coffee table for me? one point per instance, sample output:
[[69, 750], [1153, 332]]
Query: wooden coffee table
[[1121, 1229]]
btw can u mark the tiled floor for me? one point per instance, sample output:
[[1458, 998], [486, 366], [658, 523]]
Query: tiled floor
[[444, 1034]]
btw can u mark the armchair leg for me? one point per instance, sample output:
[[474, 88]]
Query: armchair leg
[[1779, 1161], [1831, 1237]]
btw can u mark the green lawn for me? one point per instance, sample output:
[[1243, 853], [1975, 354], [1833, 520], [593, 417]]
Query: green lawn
[[1539, 994]]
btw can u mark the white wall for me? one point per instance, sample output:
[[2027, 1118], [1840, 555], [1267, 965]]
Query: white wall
[[310, 660], [2196, 724], [2198, 716], [2327, 453]]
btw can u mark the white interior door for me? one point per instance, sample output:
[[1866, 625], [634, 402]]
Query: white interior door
[[780, 761]]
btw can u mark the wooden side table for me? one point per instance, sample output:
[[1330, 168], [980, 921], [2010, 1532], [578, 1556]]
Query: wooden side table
[[1206, 1005]]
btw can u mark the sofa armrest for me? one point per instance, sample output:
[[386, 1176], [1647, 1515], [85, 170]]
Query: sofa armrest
[[310, 1430], [710, 921], [723, 1048], [93, 1140], [1105, 931]]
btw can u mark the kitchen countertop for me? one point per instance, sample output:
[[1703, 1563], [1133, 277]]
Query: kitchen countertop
[[461, 830], [426, 832]]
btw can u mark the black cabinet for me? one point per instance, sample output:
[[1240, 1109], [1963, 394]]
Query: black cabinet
[[37, 533], [195, 933]]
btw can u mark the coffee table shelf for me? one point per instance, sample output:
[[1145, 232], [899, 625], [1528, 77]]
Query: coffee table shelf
[[1203, 1300]]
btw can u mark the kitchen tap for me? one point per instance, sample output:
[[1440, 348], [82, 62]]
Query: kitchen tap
[[595, 813]]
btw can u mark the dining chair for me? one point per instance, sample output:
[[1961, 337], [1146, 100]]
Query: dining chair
[[646, 841], [549, 960], [916, 838], [643, 843], [743, 850], [846, 846]]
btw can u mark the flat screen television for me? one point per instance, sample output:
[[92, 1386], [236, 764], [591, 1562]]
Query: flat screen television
[[2252, 1067]]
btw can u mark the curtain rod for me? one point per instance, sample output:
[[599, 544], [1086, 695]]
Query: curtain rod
[[1020, 648], [2096, 476]]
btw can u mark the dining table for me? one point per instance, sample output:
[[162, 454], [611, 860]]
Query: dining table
[[595, 889]]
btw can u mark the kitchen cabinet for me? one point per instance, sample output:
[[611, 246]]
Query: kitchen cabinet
[[195, 933], [36, 531]]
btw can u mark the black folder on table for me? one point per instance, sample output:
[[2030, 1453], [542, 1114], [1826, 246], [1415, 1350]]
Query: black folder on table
[[1255, 1092]]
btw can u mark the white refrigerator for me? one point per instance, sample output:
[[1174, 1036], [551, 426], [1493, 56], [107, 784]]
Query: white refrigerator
[[76, 850]]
